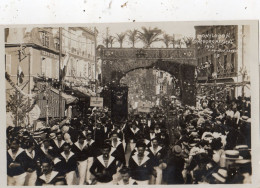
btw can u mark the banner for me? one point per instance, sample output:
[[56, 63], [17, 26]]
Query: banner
[[119, 103], [144, 107], [96, 101]]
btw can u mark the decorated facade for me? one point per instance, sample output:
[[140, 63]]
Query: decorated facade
[[181, 62], [222, 65]]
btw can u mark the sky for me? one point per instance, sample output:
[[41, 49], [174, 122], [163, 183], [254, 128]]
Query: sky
[[179, 29]]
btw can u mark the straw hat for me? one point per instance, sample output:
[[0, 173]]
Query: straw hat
[[52, 136], [221, 175], [232, 155], [244, 118], [191, 128], [207, 136], [177, 150], [243, 161], [241, 147]]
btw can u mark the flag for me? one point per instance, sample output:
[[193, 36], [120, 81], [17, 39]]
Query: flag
[[20, 75], [64, 65]]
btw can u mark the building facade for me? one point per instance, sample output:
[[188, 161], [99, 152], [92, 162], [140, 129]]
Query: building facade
[[40, 53], [35, 53], [221, 54]]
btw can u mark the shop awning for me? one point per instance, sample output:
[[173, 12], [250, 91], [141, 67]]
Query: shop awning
[[68, 98]]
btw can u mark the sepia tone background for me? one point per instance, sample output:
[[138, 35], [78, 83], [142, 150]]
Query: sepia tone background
[[225, 14]]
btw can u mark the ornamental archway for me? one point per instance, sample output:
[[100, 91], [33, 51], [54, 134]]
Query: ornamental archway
[[181, 63]]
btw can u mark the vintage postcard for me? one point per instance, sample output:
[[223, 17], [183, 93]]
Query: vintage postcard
[[152, 103]]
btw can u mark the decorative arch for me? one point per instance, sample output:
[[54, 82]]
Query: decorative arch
[[180, 63]]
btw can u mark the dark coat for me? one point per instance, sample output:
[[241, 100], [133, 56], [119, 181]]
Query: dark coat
[[173, 172], [99, 135], [160, 154], [31, 162], [118, 152], [66, 166], [132, 134], [57, 150], [104, 173], [41, 180], [87, 151], [20, 156], [43, 155], [141, 171]]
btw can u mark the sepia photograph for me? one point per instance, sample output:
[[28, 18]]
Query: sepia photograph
[[152, 103]]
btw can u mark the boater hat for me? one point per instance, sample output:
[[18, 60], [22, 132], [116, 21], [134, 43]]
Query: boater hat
[[232, 155], [221, 175], [177, 150]]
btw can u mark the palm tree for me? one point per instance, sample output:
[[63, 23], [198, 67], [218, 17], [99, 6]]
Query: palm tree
[[172, 41], [111, 41], [179, 43], [166, 40], [106, 41], [133, 37], [120, 38], [149, 36], [188, 41]]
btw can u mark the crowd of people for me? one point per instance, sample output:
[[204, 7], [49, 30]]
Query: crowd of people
[[209, 144]]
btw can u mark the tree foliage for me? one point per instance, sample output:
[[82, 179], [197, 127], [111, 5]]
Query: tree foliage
[[19, 106], [149, 36], [111, 40], [166, 40], [133, 36], [120, 38]]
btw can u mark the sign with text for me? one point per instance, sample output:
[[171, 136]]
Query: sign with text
[[96, 101], [144, 107]]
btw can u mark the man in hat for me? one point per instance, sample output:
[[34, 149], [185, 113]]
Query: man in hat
[[158, 154], [116, 128], [31, 164], [131, 135], [157, 130], [151, 135], [105, 166], [15, 161], [141, 165], [99, 134], [117, 149], [92, 151], [245, 170], [220, 177], [46, 150], [68, 164], [228, 160], [175, 166], [57, 143], [80, 149]]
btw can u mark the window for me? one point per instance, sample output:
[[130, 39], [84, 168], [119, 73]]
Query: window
[[57, 44], [161, 87], [45, 39], [161, 74]]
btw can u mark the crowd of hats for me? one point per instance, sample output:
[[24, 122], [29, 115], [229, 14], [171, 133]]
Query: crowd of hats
[[208, 139], [214, 142]]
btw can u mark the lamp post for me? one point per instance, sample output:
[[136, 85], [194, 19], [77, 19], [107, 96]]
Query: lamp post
[[214, 76], [46, 97], [243, 72]]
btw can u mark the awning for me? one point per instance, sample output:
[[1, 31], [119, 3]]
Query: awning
[[68, 98], [85, 91]]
